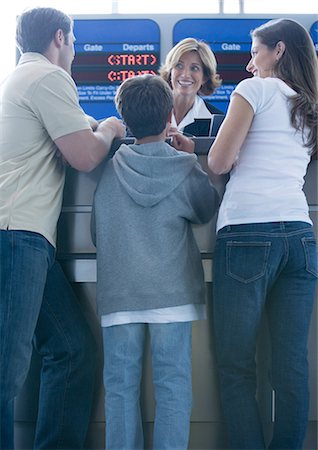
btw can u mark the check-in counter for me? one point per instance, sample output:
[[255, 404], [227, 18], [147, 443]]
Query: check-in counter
[[76, 249], [77, 255]]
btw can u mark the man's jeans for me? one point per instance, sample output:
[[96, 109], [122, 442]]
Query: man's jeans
[[38, 302], [171, 367], [268, 267]]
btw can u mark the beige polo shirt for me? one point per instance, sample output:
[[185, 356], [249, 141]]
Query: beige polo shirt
[[38, 104]]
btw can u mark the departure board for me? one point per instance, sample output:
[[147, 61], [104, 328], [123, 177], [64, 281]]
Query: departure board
[[107, 52], [231, 43]]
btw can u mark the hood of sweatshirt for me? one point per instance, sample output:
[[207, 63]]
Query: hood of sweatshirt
[[150, 172]]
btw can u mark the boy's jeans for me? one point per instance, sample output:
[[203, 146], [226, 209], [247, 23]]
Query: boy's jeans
[[171, 367], [258, 267], [36, 298]]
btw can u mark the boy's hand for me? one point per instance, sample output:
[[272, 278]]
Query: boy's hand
[[181, 142]]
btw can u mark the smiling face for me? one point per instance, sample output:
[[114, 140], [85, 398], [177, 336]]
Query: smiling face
[[187, 75], [263, 59]]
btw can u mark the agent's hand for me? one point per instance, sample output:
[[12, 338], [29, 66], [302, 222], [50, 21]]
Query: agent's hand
[[181, 142], [114, 125]]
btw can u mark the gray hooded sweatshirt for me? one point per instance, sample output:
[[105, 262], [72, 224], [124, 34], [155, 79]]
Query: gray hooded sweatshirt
[[144, 204]]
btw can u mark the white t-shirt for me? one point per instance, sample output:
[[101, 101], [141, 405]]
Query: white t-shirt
[[184, 313], [267, 179]]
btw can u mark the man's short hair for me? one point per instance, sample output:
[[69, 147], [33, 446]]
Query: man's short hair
[[36, 28], [144, 102]]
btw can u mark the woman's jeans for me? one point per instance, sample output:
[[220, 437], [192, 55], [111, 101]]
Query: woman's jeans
[[38, 303], [171, 368], [258, 267]]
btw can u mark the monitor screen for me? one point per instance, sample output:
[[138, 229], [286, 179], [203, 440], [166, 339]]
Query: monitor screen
[[230, 41], [107, 51]]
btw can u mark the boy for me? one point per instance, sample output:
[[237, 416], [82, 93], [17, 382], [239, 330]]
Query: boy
[[149, 271]]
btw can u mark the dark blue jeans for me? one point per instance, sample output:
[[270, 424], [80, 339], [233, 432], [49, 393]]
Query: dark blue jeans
[[39, 306], [262, 267]]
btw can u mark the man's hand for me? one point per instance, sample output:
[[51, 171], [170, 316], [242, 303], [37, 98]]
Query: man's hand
[[92, 121], [113, 125]]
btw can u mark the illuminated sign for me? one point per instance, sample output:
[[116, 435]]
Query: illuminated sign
[[231, 43], [112, 67], [107, 52]]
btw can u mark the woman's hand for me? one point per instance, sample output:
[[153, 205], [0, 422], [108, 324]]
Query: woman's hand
[[180, 142]]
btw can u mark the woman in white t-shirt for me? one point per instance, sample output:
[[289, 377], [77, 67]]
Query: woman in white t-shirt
[[265, 256]]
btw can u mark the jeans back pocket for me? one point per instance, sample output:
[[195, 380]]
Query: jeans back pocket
[[246, 261], [310, 249]]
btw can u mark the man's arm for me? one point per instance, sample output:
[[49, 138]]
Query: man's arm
[[85, 149]]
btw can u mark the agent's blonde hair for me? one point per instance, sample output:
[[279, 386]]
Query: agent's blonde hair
[[208, 60]]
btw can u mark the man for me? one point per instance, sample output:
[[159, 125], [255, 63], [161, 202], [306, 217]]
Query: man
[[41, 127]]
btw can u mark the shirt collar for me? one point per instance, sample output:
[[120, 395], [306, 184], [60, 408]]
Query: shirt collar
[[198, 111], [31, 57]]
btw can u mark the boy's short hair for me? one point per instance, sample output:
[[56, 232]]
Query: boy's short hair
[[144, 102]]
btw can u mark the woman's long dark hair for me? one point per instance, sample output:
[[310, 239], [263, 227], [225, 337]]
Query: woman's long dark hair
[[298, 67]]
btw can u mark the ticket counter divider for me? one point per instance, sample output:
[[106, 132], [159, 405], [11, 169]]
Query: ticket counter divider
[[77, 255]]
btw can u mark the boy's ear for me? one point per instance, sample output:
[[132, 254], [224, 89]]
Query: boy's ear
[[169, 119]]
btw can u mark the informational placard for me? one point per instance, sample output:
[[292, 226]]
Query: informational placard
[[231, 43], [107, 52]]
